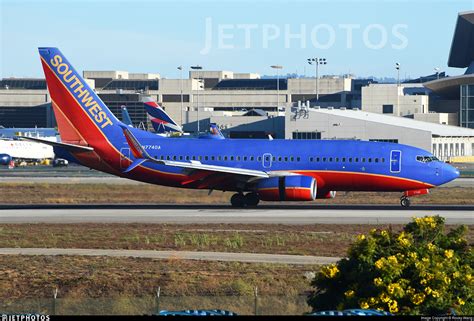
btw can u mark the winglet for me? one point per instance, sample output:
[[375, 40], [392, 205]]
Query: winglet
[[137, 150], [135, 163]]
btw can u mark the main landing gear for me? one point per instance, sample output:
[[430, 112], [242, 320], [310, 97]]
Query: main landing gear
[[247, 200], [405, 201]]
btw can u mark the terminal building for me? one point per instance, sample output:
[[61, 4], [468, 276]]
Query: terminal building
[[435, 113]]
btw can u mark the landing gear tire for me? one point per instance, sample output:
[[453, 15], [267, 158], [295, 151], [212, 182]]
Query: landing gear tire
[[237, 200], [251, 199], [405, 202]]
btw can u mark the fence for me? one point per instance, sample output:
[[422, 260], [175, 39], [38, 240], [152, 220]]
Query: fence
[[147, 305]]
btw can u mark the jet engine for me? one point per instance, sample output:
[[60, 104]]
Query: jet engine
[[287, 188], [5, 159]]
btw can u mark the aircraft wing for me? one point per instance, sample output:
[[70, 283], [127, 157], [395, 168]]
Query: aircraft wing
[[142, 156], [66, 146]]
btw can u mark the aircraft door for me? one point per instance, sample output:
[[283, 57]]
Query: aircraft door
[[124, 154], [267, 160], [395, 161]]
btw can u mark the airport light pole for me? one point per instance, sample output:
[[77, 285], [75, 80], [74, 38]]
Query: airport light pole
[[317, 61], [197, 67], [437, 72], [277, 67], [397, 66], [180, 68]]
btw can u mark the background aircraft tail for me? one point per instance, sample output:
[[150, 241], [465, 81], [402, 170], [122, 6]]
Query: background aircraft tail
[[81, 115], [126, 116], [160, 120]]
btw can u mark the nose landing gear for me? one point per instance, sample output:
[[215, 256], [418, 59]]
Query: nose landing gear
[[247, 200], [405, 201]]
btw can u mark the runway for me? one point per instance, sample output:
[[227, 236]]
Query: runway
[[200, 214], [183, 255]]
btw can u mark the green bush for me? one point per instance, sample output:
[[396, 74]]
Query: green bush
[[421, 270]]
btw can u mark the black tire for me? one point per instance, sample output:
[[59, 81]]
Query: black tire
[[251, 199], [237, 200], [405, 202]]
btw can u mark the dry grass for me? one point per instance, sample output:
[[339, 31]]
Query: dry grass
[[102, 277], [44, 193]]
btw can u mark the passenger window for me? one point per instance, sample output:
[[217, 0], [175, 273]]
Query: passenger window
[[324, 159], [251, 158], [225, 158], [297, 159], [245, 158], [330, 159], [168, 157], [383, 160], [343, 159], [180, 157], [161, 157], [213, 158], [337, 159], [259, 158], [231, 158], [200, 157], [292, 158], [317, 159], [356, 160], [311, 159], [187, 157], [219, 157], [238, 158], [376, 160], [174, 157], [370, 160], [279, 158], [286, 159], [350, 159], [363, 159]]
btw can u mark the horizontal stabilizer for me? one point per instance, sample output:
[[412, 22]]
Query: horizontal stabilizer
[[66, 146]]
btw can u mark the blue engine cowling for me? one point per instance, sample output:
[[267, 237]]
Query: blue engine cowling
[[5, 159], [287, 188]]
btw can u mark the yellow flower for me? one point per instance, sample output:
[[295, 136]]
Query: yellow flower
[[330, 271], [468, 277], [410, 290], [423, 281], [447, 280], [384, 233], [461, 301], [349, 293], [372, 231], [393, 306], [449, 253], [456, 275], [360, 237], [392, 259], [431, 247], [418, 298], [378, 281], [413, 255], [428, 290], [379, 264], [384, 297], [364, 305], [372, 301], [435, 294], [403, 240]]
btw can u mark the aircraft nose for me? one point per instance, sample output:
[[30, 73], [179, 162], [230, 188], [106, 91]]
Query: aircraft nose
[[450, 173]]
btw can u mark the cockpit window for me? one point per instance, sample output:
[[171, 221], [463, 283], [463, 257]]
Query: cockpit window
[[427, 159]]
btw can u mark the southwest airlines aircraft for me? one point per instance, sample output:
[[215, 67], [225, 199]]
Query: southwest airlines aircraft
[[269, 170]]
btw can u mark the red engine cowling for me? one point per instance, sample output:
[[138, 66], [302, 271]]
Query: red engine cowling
[[287, 188]]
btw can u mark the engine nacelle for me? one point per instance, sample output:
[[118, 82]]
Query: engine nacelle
[[5, 159], [287, 188], [323, 194]]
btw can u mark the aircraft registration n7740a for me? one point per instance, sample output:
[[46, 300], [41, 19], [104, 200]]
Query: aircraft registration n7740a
[[255, 169]]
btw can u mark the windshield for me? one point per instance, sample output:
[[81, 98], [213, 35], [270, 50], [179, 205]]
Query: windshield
[[427, 159]]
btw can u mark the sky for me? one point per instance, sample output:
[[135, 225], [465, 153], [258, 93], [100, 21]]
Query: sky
[[365, 38]]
